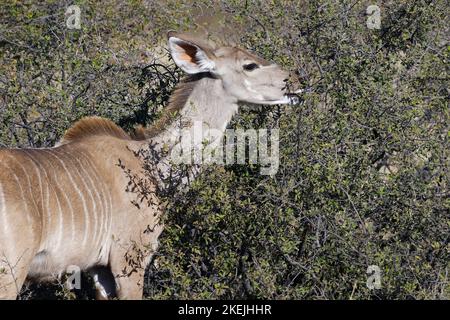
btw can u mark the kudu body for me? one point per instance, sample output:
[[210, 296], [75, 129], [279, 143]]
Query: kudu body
[[68, 205]]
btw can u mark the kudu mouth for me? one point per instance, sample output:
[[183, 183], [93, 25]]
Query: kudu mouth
[[288, 98], [291, 97], [294, 97]]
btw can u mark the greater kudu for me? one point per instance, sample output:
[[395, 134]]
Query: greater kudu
[[68, 205]]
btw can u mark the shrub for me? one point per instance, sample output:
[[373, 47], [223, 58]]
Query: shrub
[[363, 177]]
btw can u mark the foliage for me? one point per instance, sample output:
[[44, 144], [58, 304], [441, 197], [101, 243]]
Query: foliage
[[363, 177]]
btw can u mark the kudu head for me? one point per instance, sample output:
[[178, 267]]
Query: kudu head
[[245, 77]]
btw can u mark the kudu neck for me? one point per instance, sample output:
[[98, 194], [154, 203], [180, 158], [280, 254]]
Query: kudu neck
[[204, 108], [198, 104], [198, 99]]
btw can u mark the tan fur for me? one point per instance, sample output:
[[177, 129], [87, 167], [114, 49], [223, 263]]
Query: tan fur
[[76, 204], [93, 126], [67, 206], [176, 103]]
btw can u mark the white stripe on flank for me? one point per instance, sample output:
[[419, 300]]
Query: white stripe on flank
[[98, 214], [30, 187], [89, 165], [45, 204], [61, 221], [110, 212], [6, 232], [60, 235], [104, 192], [36, 169], [3, 210], [103, 211], [94, 205], [83, 201], [24, 200], [47, 209]]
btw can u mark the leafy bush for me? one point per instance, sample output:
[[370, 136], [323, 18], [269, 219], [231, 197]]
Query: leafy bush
[[363, 177]]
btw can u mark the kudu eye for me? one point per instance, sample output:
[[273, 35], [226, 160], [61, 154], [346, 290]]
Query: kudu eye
[[250, 66]]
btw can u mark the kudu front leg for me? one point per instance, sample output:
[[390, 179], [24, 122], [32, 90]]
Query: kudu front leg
[[105, 284], [128, 268], [130, 287]]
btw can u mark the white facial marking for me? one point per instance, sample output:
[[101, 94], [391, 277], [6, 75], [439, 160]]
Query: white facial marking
[[248, 86]]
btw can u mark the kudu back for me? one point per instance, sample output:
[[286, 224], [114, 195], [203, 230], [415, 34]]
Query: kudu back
[[70, 206]]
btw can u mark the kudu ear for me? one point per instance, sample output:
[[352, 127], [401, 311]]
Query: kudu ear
[[190, 57]]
